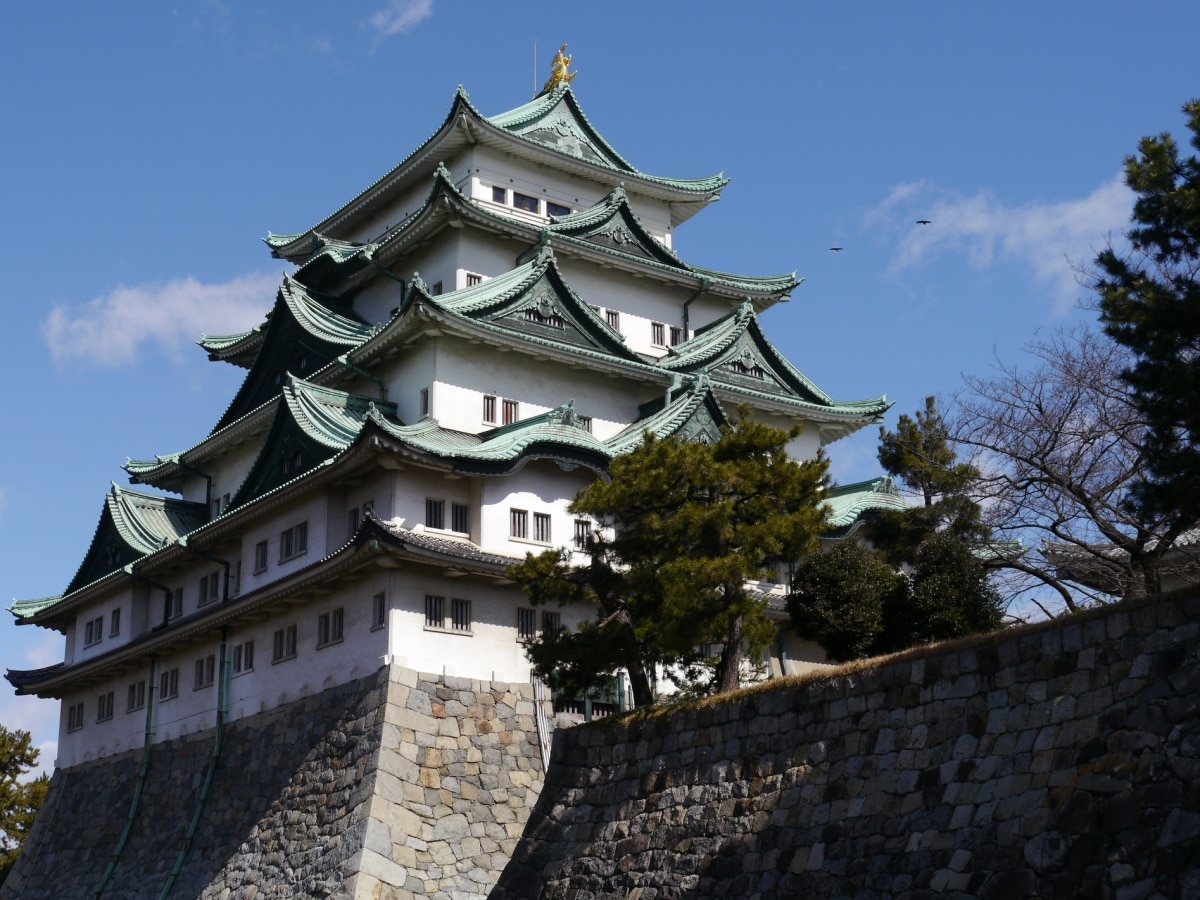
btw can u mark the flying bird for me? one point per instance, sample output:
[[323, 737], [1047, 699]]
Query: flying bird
[[835, 248], [922, 221]]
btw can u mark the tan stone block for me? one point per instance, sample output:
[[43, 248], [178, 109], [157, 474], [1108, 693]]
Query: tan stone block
[[430, 779], [404, 676], [433, 758], [442, 853], [407, 718], [468, 791], [449, 728], [404, 856]]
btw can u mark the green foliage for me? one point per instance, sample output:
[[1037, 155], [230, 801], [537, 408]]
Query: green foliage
[[19, 801], [1150, 303], [920, 454], [691, 523], [853, 601], [854, 604], [839, 599]]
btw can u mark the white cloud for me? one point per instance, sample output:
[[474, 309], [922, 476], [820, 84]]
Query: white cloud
[[109, 330], [1050, 239], [38, 717], [400, 16]]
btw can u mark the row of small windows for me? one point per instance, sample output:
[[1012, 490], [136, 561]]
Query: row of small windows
[[459, 614], [330, 630], [93, 629], [435, 515], [659, 332], [518, 527], [527, 623], [293, 542], [527, 202]]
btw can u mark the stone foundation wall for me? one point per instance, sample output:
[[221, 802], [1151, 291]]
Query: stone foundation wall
[[392, 786], [1058, 761]]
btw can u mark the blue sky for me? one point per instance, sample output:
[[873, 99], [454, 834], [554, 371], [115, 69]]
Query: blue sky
[[148, 147]]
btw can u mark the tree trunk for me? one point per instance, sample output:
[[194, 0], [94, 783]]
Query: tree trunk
[[729, 674]]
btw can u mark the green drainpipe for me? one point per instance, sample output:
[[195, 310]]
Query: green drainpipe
[[213, 758], [138, 787]]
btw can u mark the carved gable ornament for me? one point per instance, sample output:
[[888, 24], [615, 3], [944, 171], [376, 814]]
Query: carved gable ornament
[[563, 133]]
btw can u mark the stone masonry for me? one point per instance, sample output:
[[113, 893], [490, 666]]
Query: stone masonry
[[1060, 760], [393, 786]]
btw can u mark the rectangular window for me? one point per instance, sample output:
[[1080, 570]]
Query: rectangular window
[[136, 696], [460, 615], [512, 412], [329, 627], [658, 334], [114, 622], [526, 624], [499, 194], [260, 557], [525, 202], [237, 577], [75, 717], [93, 631], [175, 604], [243, 657], [557, 209], [104, 707], [489, 409], [473, 279], [378, 611], [551, 623], [583, 528], [168, 685], [676, 335], [613, 318], [293, 542], [206, 668], [216, 506], [459, 518], [541, 527], [586, 422], [436, 289], [435, 611], [424, 402], [435, 513], [518, 523], [209, 587], [283, 644]]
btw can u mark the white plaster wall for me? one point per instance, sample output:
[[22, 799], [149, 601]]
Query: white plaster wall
[[539, 487], [406, 374], [414, 486], [313, 510], [466, 372]]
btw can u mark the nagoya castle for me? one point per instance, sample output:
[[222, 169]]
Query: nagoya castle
[[293, 662]]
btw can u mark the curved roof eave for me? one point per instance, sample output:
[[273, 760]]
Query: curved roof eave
[[465, 125]]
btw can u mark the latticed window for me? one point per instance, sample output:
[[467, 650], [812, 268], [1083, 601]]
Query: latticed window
[[541, 527], [489, 409], [474, 279], [168, 684], [435, 611], [551, 622], [74, 717], [459, 518], [460, 615], [205, 671], [582, 529], [526, 624], [104, 707], [435, 513], [658, 334], [283, 644], [243, 657], [293, 542], [511, 412], [676, 335], [613, 318], [518, 523], [136, 696]]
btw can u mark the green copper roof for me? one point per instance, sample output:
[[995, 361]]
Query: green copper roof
[[23, 609], [239, 349], [555, 120], [132, 525], [691, 412], [849, 502], [552, 125], [736, 354], [304, 335]]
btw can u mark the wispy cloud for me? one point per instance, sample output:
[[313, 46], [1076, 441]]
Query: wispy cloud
[[400, 16], [111, 329], [1050, 239]]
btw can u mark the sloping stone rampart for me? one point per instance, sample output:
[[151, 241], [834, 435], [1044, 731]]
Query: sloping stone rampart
[[392, 786], [1056, 761]]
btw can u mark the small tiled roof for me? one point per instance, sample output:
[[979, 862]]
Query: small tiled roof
[[847, 503], [23, 609], [134, 524]]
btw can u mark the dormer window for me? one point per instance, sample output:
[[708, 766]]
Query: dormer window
[[553, 320], [752, 371]]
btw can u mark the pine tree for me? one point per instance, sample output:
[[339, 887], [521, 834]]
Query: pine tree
[[691, 523], [920, 454], [19, 800], [1150, 303]]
